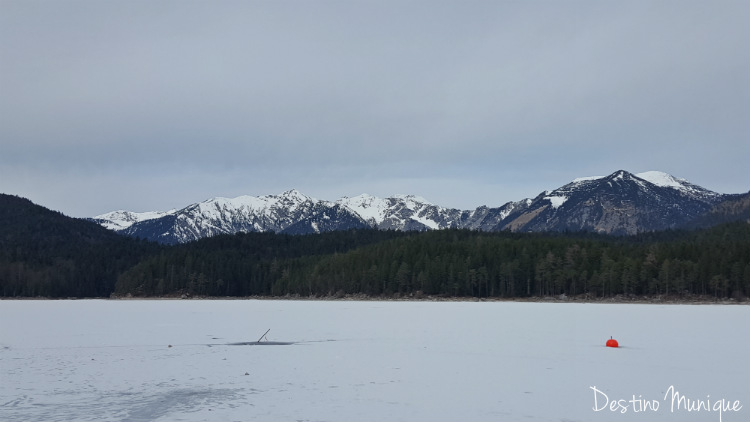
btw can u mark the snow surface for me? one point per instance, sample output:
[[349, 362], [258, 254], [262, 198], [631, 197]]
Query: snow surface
[[362, 361], [659, 178], [426, 221], [587, 179], [662, 179], [226, 211], [506, 212], [556, 201], [667, 180], [370, 208], [412, 201], [120, 220], [376, 210], [215, 208]]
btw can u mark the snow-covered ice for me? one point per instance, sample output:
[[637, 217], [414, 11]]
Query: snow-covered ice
[[362, 361]]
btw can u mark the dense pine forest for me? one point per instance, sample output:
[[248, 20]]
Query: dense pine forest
[[43, 253], [452, 263]]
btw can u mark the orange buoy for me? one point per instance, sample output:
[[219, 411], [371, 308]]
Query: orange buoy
[[612, 343]]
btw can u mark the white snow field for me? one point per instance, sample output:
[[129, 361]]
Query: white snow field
[[105, 360]]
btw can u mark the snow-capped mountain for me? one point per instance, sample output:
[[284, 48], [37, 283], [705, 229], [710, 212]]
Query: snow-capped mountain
[[666, 180], [402, 212], [121, 220], [325, 217], [291, 212], [621, 203], [411, 212], [277, 213]]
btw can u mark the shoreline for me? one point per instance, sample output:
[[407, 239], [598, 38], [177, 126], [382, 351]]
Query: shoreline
[[619, 299]]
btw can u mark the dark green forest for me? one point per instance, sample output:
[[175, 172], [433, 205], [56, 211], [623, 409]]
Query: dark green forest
[[459, 263], [43, 253]]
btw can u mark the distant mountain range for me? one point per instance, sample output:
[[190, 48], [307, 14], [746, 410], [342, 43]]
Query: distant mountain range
[[621, 203]]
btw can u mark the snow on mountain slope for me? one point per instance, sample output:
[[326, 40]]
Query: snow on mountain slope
[[664, 180], [120, 220], [556, 201], [242, 214], [619, 203], [270, 206], [587, 179], [401, 212], [372, 209], [412, 202], [227, 216], [661, 179]]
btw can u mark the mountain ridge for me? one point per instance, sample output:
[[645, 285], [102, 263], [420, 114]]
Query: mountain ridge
[[44, 253], [620, 203]]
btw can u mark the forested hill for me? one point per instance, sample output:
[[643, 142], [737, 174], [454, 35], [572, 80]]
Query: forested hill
[[44, 253], [733, 208], [451, 263]]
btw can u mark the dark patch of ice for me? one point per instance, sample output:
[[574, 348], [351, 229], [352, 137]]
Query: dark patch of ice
[[161, 404]]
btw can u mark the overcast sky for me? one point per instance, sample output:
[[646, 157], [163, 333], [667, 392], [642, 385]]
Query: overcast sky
[[152, 105]]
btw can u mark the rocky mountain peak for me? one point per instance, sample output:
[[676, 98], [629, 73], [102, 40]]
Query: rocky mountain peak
[[620, 203]]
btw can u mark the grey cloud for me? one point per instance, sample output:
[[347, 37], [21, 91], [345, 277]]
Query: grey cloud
[[245, 97]]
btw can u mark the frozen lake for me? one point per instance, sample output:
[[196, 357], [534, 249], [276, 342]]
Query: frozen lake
[[369, 361]]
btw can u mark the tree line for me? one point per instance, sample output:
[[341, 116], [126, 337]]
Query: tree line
[[452, 262], [44, 253]]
